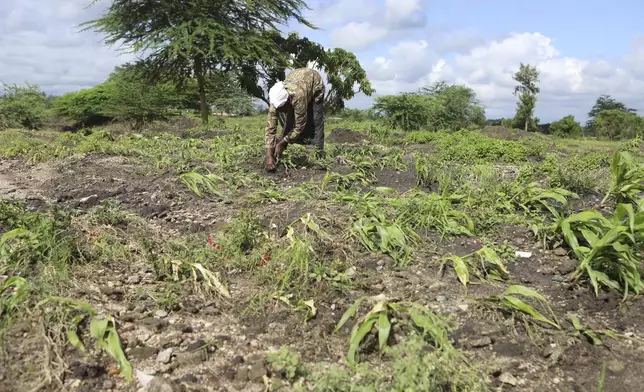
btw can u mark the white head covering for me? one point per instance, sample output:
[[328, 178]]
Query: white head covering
[[278, 95]]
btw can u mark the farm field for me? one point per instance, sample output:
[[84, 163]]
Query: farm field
[[418, 261]]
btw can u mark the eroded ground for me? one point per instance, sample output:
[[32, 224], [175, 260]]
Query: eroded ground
[[133, 217]]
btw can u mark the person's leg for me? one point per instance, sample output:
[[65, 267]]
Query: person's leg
[[318, 124]]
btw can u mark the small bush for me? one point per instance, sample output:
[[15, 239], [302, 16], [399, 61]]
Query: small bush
[[566, 127], [22, 107]]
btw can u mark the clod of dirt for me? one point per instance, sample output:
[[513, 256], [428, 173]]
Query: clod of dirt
[[508, 349], [560, 252], [82, 370], [482, 342], [159, 384], [155, 324], [616, 366], [142, 353], [345, 135], [257, 371], [129, 317], [115, 293]]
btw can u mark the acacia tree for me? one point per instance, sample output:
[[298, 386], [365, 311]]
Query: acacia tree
[[604, 102], [342, 68], [189, 39], [527, 78]]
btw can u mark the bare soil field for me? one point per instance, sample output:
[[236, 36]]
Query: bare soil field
[[290, 279]]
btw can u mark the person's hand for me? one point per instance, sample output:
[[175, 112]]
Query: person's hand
[[270, 160], [279, 148]]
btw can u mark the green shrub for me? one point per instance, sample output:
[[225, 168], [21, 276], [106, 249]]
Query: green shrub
[[566, 127], [436, 107], [24, 107], [617, 124]]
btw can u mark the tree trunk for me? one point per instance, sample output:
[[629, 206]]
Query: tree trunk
[[201, 84], [526, 124]]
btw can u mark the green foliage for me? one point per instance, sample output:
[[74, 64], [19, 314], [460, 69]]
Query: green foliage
[[616, 124], [133, 98], [383, 314], [436, 107], [608, 248], [483, 263], [566, 127], [22, 106], [72, 313], [286, 363], [604, 102], [527, 78], [342, 68], [127, 95], [85, 107], [35, 241], [509, 300], [199, 37], [627, 179]]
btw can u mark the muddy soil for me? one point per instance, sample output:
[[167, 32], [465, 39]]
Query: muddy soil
[[205, 343]]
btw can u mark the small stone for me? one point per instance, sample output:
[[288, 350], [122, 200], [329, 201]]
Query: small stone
[[134, 279], [509, 379], [350, 272], [560, 252], [171, 340], [108, 384], [556, 380], [482, 342], [161, 313], [277, 326], [616, 366], [191, 309], [165, 356], [441, 298], [381, 262], [463, 307], [254, 343]]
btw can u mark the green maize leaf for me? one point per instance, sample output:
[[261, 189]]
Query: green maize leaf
[[350, 312], [515, 303], [460, 266], [385, 190], [357, 336], [384, 328], [524, 291]]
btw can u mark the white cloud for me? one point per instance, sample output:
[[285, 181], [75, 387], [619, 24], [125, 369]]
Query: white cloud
[[356, 36], [42, 43], [568, 85], [384, 21]]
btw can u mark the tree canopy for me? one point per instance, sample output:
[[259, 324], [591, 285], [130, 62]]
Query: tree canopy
[[527, 78], [184, 39]]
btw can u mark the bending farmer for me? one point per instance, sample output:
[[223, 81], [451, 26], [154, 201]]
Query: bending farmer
[[301, 98]]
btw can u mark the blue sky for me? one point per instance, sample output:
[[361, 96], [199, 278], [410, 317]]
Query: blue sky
[[582, 49]]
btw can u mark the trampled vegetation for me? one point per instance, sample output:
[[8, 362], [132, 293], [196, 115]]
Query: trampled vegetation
[[142, 244]]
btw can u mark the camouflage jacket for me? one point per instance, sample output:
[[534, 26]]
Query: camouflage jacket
[[304, 86]]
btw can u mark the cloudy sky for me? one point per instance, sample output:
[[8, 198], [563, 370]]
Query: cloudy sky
[[582, 48]]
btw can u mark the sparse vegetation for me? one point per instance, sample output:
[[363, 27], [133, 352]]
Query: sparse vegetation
[[142, 242]]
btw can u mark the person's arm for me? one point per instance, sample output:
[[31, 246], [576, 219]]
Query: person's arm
[[271, 127], [300, 112]]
